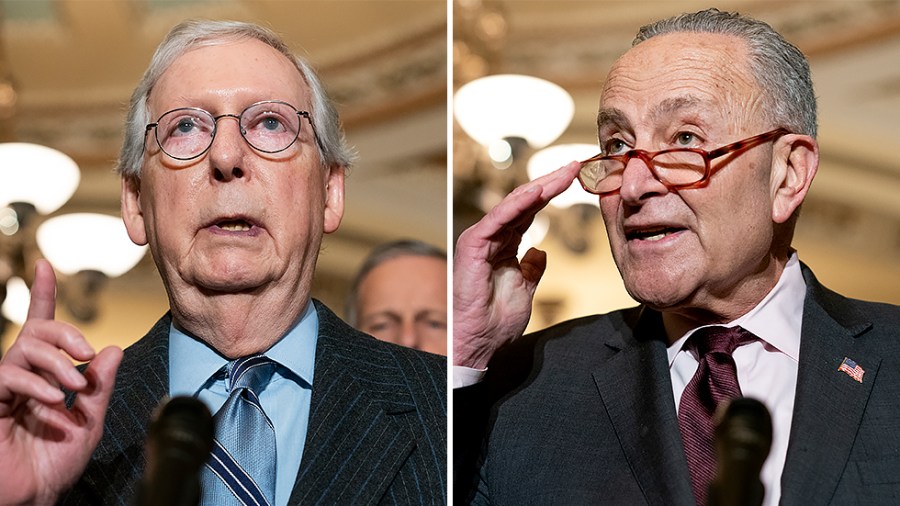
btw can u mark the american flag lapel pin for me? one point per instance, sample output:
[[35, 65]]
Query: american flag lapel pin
[[852, 369]]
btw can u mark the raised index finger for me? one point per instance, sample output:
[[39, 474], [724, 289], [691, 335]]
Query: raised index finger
[[43, 292], [518, 209]]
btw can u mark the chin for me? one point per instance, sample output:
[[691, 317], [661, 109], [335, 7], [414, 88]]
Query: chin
[[230, 280], [658, 290]]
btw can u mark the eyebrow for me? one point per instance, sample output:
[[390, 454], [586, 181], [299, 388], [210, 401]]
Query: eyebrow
[[611, 116], [671, 106], [425, 313], [668, 107], [387, 313]]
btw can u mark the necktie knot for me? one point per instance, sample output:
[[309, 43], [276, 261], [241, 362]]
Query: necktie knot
[[719, 340], [252, 373]]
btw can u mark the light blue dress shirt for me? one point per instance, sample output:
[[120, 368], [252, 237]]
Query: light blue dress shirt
[[194, 370]]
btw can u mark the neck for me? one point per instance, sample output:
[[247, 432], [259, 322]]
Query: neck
[[725, 307], [237, 325]]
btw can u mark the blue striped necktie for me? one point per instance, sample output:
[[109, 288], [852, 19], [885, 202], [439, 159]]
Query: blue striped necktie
[[241, 468]]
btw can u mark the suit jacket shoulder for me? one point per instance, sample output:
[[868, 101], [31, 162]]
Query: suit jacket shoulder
[[844, 445], [378, 423], [579, 413]]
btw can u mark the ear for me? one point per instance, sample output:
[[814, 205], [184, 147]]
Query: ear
[[334, 198], [132, 214], [796, 160]]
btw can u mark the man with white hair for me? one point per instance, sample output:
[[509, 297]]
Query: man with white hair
[[232, 170]]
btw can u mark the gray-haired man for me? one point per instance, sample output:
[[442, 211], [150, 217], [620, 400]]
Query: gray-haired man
[[707, 127], [232, 171]]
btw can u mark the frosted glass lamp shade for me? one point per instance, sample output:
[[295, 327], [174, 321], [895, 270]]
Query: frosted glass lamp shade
[[18, 297], [502, 106], [86, 241], [549, 159], [38, 175]]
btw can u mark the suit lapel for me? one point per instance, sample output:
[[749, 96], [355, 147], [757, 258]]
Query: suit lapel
[[141, 382], [643, 411], [829, 403], [357, 438]]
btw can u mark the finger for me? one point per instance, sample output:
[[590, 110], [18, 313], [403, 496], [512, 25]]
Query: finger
[[92, 401], [60, 335], [558, 181], [45, 359], [20, 382], [517, 210], [43, 292]]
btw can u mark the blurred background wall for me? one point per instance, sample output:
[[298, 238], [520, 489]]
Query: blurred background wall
[[67, 69], [849, 231]]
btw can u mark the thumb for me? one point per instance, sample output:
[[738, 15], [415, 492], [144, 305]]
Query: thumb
[[533, 264], [91, 402]]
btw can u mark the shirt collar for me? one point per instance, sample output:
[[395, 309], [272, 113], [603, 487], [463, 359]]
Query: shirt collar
[[776, 320], [192, 362]]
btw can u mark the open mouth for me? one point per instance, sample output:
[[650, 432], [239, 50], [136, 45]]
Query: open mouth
[[651, 234], [236, 225]]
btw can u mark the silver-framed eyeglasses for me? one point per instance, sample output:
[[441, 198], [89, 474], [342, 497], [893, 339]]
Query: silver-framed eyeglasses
[[677, 168], [270, 126]]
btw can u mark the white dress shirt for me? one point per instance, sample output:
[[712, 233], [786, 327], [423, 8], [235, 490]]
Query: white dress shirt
[[767, 368]]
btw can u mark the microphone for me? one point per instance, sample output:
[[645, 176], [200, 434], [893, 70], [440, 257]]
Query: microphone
[[179, 442], [743, 437]]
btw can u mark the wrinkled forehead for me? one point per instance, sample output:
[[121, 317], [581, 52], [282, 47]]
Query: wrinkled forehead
[[228, 74], [707, 72]]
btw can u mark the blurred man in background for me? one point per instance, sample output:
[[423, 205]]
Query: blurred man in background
[[400, 296]]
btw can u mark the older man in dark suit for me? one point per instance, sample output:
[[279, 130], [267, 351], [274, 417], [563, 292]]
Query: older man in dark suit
[[232, 171], [707, 128]]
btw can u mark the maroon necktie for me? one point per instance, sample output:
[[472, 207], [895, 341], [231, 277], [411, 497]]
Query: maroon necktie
[[714, 382]]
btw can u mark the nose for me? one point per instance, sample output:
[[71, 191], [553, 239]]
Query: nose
[[638, 181], [228, 149], [408, 335]]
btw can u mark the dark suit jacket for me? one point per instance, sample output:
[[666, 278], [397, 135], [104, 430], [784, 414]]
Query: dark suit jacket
[[377, 423], [583, 413]]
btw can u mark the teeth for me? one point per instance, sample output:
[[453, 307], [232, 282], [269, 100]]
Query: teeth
[[235, 226], [652, 235]]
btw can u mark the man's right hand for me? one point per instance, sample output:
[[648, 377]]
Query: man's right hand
[[492, 289], [45, 446]]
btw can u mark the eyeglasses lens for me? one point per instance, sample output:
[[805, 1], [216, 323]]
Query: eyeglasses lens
[[268, 126], [673, 168]]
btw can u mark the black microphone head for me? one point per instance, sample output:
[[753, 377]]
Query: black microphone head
[[183, 429], [179, 442], [745, 427], [743, 439]]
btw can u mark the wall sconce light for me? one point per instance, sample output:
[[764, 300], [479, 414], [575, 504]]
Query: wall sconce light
[[36, 176], [506, 114], [89, 249], [506, 111], [85, 249]]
